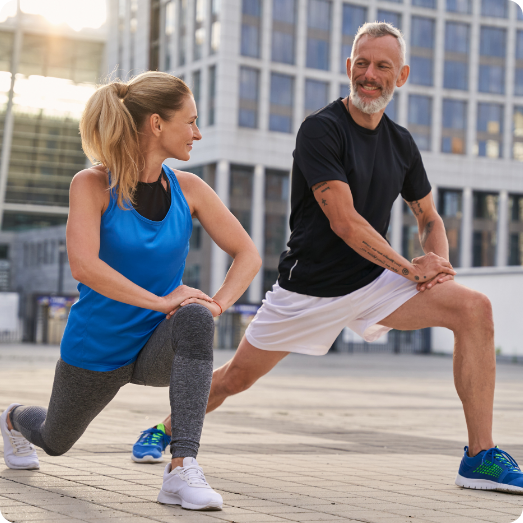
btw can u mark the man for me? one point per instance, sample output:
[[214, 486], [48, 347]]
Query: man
[[350, 164]]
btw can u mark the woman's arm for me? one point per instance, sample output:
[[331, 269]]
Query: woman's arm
[[227, 232], [89, 198]]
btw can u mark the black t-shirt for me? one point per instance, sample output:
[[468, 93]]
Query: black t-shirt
[[377, 164]]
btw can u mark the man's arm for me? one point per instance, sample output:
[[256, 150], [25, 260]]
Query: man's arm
[[335, 199], [432, 234]]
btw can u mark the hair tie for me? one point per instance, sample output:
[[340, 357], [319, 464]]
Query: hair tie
[[121, 90]]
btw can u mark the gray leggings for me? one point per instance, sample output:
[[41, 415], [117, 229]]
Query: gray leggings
[[178, 354]]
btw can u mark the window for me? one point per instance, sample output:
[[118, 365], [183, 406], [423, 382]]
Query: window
[[241, 181], [498, 8], [454, 126], [169, 29], [215, 26], [277, 185], [391, 109], [196, 85], [212, 95], [518, 88], [316, 95], [420, 120], [281, 97], [517, 147], [449, 208], [422, 50], [318, 33], [431, 4], [353, 18], [485, 209], [390, 17], [182, 33], [492, 60], [515, 227], [275, 234], [457, 41], [490, 130], [251, 24], [199, 28], [520, 12], [344, 90], [283, 31], [249, 96], [459, 6]]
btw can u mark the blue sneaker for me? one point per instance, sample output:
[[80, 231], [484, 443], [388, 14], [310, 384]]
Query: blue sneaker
[[492, 469], [150, 445]]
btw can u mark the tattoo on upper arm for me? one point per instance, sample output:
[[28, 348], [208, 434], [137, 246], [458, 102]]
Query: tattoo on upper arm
[[415, 208], [428, 229], [319, 186], [324, 202]]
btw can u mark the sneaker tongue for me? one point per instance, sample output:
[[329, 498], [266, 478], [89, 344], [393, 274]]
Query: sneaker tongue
[[187, 462], [161, 427]]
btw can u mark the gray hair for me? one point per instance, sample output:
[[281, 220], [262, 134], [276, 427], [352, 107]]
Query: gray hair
[[378, 29]]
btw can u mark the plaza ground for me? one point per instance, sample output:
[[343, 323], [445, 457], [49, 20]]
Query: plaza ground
[[365, 437]]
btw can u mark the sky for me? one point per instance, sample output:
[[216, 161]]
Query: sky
[[78, 14]]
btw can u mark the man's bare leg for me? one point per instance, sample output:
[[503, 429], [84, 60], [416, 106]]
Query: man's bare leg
[[469, 315], [241, 372]]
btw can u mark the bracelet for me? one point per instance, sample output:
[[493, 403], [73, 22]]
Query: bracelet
[[221, 310]]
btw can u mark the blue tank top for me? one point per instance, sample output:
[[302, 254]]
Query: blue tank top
[[103, 334]]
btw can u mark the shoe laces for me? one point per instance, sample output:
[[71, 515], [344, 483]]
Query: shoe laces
[[151, 437], [496, 454], [194, 476], [20, 444]]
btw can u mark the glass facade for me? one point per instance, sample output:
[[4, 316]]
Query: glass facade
[[316, 95], [169, 28], [391, 109], [392, 17], [249, 97], [453, 135], [182, 33], [450, 210], [199, 28], [489, 130], [492, 60], [196, 86], [422, 50], [281, 98], [319, 14], [517, 144], [251, 27], [459, 6], [212, 96], [283, 31], [430, 4], [46, 146], [484, 239], [515, 229], [240, 191], [354, 17], [518, 87], [215, 26], [498, 8], [456, 67], [420, 120]]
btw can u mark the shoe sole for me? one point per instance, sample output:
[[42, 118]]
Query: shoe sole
[[485, 484], [146, 459], [3, 418], [168, 498]]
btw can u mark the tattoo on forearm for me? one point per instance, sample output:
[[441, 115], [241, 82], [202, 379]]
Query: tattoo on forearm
[[319, 186], [415, 208], [428, 229]]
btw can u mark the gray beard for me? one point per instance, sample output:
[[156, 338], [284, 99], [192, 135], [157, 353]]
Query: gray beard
[[374, 106]]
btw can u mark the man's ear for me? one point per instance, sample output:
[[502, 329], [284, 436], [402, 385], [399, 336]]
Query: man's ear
[[403, 76], [349, 66]]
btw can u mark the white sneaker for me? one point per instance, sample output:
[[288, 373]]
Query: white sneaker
[[18, 452], [187, 486]]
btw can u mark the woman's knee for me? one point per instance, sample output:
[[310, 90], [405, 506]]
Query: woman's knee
[[193, 331]]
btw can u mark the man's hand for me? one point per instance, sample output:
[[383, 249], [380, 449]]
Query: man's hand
[[430, 267], [426, 263]]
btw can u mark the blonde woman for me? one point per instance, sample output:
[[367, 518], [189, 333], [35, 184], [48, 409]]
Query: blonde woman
[[128, 236]]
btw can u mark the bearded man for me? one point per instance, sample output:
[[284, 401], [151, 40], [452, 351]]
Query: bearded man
[[350, 164]]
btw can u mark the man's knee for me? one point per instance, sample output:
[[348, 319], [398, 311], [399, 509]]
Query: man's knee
[[477, 310]]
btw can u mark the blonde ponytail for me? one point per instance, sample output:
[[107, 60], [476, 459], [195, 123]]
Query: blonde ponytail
[[112, 118]]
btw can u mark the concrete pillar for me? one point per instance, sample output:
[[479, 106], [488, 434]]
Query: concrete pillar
[[466, 229], [219, 257], [257, 229], [502, 247], [396, 225]]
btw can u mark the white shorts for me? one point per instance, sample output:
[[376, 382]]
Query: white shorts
[[292, 322]]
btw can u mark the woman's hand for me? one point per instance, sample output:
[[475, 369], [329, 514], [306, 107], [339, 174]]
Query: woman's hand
[[181, 295], [212, 306]]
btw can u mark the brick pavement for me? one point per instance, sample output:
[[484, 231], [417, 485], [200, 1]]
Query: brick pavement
[[369, 438]]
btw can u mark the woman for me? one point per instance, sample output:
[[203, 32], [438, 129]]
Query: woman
[[128, 233]]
